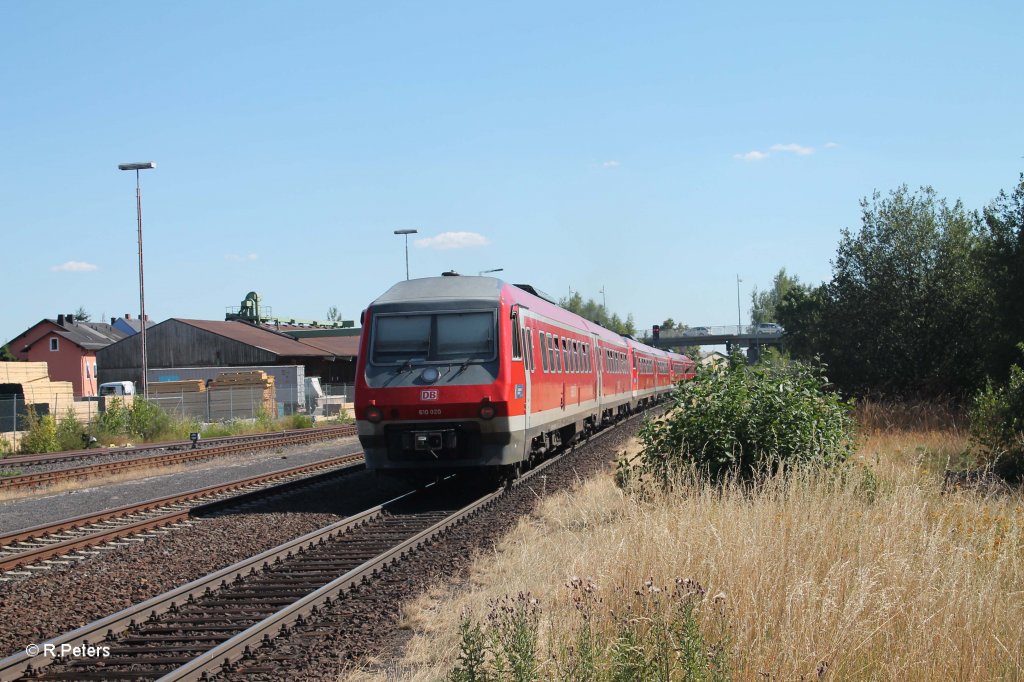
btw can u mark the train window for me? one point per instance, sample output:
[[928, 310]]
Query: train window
[[517, 344], [565, 355], [543, 350], [441, 337], [576, 357], [401, 337], [465, 336], [529, 349]]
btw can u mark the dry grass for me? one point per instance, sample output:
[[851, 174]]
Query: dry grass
[[876, 575]]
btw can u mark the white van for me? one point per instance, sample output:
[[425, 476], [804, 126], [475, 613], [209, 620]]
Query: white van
[[117, 388]]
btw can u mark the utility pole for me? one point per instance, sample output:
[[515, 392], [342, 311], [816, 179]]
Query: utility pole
[[739, 324]]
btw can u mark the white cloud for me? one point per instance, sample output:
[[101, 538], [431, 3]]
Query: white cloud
[[831, 145], [74, 266], [752, 156], [797, 149], [611, 164], [236, 258], [453, 240]]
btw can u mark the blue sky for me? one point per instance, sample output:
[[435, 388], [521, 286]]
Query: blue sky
[[653, 151]]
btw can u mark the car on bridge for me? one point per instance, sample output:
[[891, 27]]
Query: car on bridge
[[696, 331], [770, 329]]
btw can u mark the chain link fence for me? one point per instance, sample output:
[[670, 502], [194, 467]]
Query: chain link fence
[[222, 404]]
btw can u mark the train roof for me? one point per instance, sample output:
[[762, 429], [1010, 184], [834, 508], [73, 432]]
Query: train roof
[[434, 288], [470, 288]]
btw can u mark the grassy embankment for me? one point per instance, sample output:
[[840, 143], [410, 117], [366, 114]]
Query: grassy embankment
[[877, 574]]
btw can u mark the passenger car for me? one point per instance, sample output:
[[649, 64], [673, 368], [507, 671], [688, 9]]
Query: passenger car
[[770, 328]]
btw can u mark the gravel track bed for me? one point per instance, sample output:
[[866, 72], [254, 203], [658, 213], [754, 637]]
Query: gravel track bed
[[50, 604], [49, 507], [364, 625]]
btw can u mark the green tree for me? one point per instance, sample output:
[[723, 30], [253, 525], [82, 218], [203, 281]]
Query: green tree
[[764, 303], [596, 312], [802, 312], [1003, 268], [81, 315], [907, 306], [5, 354], [333, 314]]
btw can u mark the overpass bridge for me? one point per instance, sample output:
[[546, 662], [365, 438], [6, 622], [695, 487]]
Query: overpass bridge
[[750, 336]]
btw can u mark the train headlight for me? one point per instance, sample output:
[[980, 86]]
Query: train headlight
[[373, 414], [486, 409]]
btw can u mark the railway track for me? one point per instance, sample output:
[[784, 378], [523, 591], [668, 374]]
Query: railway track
[[160, 459], [92, 453], [220, 624], [40, 547], [214, 624]]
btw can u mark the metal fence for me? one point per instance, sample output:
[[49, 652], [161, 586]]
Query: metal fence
[[222, 404], [347, 390]]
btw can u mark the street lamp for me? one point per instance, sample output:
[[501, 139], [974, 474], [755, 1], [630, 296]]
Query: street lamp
[[406, 233], [738, 323], [142, 289], [484, 272]]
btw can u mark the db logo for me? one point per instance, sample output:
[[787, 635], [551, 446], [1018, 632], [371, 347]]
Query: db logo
[[428, 395]]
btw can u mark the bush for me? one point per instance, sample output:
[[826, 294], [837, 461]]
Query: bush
[[300, 421], [997, 422], [70, 432], [142, 420], [742, 419], [42, 433]]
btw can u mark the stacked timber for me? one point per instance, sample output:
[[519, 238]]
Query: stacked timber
[[241, 395], [34, 378], [183, 398]]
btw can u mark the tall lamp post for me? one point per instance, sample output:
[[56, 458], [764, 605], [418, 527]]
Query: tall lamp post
[[738, 323], [484, 272], [406, 233], [142, 288]]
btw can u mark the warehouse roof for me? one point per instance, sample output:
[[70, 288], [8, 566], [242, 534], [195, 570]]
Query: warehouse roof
[[270, 341]]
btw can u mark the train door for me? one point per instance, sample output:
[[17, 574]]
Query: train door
[[522, 346], [528, 368]]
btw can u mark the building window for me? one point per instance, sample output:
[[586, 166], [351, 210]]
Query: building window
[[54, 343]]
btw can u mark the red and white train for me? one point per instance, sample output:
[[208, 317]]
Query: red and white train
[[472, 372]]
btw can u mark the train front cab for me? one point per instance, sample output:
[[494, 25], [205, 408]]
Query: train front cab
[[437, 389]]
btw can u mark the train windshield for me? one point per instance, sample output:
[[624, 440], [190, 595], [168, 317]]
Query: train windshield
[[435, 337]]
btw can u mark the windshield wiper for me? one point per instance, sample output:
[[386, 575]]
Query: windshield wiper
[[463, 367]]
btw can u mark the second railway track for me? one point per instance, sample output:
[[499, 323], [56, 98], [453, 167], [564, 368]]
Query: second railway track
[[67, 540], [161, 459]]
